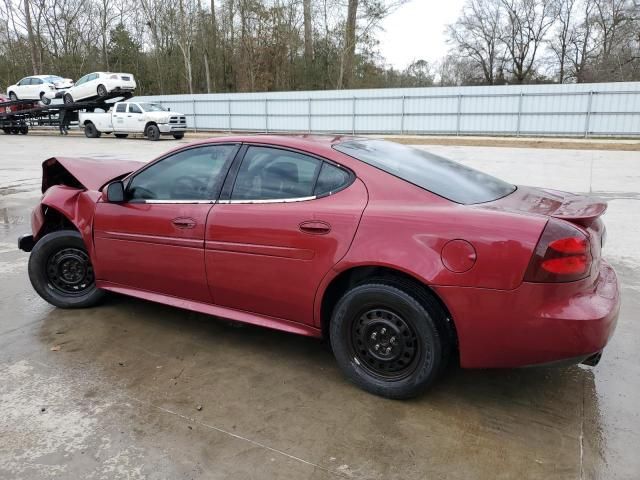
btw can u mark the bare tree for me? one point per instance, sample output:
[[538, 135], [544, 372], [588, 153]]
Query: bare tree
[[476, 35]]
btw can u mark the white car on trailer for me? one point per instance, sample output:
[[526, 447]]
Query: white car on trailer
[[100, 85]]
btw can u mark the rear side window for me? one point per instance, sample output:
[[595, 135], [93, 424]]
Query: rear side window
[[448, 179], [121, 107], [331, 179], [271, 174]]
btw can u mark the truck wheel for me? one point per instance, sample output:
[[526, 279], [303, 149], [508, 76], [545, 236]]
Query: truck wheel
[[60, 271], [24, 129], [102, 91], [68, 98], [153, 132], [91, 131], [121, 135], [178, 136]]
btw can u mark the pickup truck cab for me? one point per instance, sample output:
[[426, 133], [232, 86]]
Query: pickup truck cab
[[150, 119]]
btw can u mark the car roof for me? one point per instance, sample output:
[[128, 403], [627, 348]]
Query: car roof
[[315, 143]]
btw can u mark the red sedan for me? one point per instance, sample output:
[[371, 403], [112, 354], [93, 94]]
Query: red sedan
[[403, 259]]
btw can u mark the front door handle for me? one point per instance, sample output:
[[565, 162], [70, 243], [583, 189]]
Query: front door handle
[[315, 227], [184, 222]]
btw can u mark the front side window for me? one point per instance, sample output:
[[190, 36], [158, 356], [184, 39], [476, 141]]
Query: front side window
[[195, 174], [271, 174], [133, 108]]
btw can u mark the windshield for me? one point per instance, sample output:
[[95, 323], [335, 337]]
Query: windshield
[[152, 107], [53, 79], [448, 179]]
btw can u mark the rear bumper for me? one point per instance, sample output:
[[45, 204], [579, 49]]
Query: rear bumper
[[535, 324]]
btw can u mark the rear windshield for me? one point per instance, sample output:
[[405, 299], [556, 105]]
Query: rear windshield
[[451, 180]]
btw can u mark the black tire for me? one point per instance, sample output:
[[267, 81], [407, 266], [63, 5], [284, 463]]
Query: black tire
[[12, 96], [44, 100], [24, 129], [153, 133], [387, 341], [121, 135], [67, 98], [6, 131], [102, 91], [91, 131], [61, 272], [178, 136]]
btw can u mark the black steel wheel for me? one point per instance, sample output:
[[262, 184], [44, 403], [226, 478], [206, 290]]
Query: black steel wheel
[[61, 272], [385, 344], [69, 270], [102, 91], [24, 129], [388, 339]]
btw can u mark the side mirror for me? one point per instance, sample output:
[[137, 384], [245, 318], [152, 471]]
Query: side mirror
[[115, 192]]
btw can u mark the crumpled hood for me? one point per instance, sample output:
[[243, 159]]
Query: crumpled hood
[[84, 172]]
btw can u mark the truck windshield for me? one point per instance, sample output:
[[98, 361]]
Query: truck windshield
[[152, 107], [448, 179]]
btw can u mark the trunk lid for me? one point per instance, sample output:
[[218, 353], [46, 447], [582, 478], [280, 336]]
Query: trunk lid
[[579, 209]]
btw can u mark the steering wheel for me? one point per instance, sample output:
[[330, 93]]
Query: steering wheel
[[189, 187]]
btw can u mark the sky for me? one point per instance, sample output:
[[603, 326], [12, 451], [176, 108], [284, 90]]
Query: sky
[[416, 31]]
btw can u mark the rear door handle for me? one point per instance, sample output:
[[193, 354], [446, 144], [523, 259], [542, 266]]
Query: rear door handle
[[184, 222], [315, 227]]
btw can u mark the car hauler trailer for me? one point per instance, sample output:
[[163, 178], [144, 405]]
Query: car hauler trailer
[[17, 116]]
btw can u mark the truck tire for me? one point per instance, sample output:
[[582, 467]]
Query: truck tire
[[178, 136], [24, 129], [153, 133], [91, 131], [121, 135]]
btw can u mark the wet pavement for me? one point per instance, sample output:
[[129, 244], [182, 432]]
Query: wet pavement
[[133, 390]]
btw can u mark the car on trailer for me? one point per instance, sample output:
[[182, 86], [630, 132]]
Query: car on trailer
[[100, 85], [39, 87], [402, 259], [147, 118]]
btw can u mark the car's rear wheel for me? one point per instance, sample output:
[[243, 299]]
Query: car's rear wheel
[[13, 97], [67, 98], [60, 271], [387, 340], [91, 131], [102, 91], [153, 132], [121, 135], [45, 100]]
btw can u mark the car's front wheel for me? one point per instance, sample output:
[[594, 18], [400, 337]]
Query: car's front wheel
[[153, 132], [60, 271], [67, 98], [13, 97], [387, 341], [44, 99], [102, 91]]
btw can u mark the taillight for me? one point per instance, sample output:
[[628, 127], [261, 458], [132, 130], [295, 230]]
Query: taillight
[[563, 254]]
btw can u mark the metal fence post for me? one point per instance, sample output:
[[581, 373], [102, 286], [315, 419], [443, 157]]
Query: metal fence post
[[193, 109], [587, 120], [458, 114], [266, 115], [353, 118], [309, 115], [519, 113], [402, 116], [229, 114]]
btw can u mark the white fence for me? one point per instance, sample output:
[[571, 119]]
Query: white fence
[[603, 109]]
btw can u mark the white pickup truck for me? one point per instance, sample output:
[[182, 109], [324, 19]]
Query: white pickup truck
[[150, 119]]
